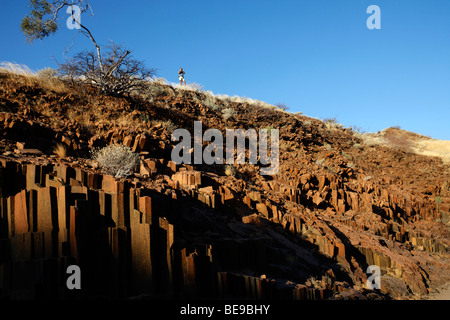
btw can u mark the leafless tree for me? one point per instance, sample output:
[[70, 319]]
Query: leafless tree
[[113, 71], [120, 73]]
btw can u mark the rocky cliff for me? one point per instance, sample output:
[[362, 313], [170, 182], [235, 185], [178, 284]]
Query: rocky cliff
[[337, 205]]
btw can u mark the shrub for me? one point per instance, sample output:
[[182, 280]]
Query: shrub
[[47, 73], [169, 125], [329, 120], [351, 165], [282, 106], [228, 113], [230, 170], [210, 102], [357, 129], [116, 160]]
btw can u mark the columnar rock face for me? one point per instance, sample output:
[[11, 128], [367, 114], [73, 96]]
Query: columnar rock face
[[115, 233], [124, 237]]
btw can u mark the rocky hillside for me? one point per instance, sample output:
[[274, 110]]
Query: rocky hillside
[[339, 203]]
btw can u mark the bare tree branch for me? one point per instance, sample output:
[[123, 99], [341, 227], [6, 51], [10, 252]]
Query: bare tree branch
[[120, 75]]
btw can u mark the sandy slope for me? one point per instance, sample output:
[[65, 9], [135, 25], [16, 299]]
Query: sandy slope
[[434, 148], [443, 294]]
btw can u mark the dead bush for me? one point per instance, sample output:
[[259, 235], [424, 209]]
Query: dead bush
[[116, 160]]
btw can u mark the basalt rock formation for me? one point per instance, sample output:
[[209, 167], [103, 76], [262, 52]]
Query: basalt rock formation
[[335, 207]]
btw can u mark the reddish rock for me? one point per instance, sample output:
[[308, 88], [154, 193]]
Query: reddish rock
[[35, 152], [208, 190], [317, 199], [20, 213], [128, 141], [322, 181], [262, 209], [188, 178]]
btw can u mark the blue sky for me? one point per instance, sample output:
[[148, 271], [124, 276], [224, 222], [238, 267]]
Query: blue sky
[[315, 56]]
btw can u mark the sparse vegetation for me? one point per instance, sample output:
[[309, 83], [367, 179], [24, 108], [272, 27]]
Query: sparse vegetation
[[327, 146], [16, 69], [268, 129], [228, 113], [351, 165], [47, 73], [320, 161], [438, 200], [346, 155], [433, 148], [144, 118], [282, 106], [399, 142], [230, 170], [26, 76], [210, 102], [358, 130], [331, 123], [195, 87], [330, 120], [168, 124], [156, 89]]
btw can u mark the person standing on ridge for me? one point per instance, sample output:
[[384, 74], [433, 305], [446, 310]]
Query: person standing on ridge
[[181, 76]]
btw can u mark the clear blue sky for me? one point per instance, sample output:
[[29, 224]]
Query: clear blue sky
[[315, 56]]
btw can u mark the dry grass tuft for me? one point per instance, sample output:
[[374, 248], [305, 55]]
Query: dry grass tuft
[[27, 77], [60, 150]]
